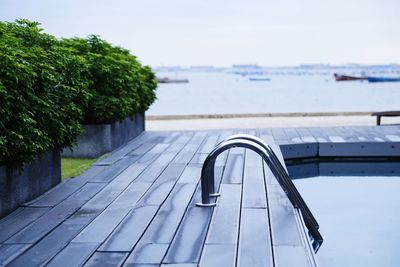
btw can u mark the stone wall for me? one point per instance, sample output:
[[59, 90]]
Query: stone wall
[[19, 186], [103, 138]]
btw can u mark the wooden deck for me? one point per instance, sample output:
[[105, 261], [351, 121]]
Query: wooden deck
[[137, 206]]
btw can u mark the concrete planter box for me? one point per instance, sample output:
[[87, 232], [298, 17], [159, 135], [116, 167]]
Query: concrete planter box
[[20, 186], [99, 139]]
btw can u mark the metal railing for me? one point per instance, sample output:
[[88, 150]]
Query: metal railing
[[260, 147]]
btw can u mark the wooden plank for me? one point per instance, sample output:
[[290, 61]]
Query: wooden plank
[[283, 221], [121, 184], [128, 232], [191, 174], [101, 227], [319, 134], [9, 252], [147, 254], [373, 134], [65, 189], [131, 173], [306, 135], [265, 131], [217, 255], [18, 220], [359, 132], [189, 239], [209, 143], [180, 142], [49, 246], [199, 158], [103, 199], [131, 195], [279, 135], [293, 136], [233, 173], [55, 216], [179, 265], [156, 168], [254, 240], [155, 241], [155, 151], [224, 227], [190, 149], [74, 254], [334, 135], [393, 138], [167, 220], [106, 259], [160, 189], [169, 137], [155, 196], [291, 256], [254, 195], [56, 195], [114, 170], [347, 134]]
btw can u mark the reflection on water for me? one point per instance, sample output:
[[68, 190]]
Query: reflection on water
[[310, 168], [359, 216]]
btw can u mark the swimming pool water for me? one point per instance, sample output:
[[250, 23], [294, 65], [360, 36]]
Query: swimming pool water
[[359, 218]]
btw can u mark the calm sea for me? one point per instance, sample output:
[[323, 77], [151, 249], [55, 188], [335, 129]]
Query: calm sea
[[220, 92]]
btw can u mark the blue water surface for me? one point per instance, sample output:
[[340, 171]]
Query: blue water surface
[[221, 93], [359, 218]]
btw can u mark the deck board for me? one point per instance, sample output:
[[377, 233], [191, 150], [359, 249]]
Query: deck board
[[136, 207], [18, 220]]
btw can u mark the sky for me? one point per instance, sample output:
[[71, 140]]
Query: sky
[[222, 33]]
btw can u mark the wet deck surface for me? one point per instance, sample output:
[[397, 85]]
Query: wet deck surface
[[137, 206]]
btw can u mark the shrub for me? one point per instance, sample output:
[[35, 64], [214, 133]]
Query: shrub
[[48, 87], [120, 86], [41, 92], [147, 94]]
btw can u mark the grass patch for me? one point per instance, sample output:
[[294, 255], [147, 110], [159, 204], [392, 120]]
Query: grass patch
[[71, 167]]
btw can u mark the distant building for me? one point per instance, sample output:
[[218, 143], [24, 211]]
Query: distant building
[[245, 66]]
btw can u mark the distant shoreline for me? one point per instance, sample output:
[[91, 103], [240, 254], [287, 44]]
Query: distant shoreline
[[256, 115]]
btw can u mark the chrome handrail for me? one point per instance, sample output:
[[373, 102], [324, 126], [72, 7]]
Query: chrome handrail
[[268, 155], [280, 174]]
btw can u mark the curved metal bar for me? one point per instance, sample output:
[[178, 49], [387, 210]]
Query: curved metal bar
[[257, 145], [277, 169], [280, 173]]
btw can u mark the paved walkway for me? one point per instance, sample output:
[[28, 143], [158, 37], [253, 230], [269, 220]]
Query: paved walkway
[[265, 122], [137, 206]]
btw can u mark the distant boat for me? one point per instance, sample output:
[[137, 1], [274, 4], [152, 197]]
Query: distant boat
[[340, 78], [383, 79], [258, 79], [168, 80]]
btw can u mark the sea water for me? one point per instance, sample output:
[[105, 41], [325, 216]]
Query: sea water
[[227, 93]]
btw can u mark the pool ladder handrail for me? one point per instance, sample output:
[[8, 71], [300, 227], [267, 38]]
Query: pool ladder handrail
[[268, 155]]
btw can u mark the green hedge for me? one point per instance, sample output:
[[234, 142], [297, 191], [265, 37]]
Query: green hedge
[[49, 87], [120, 86]]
